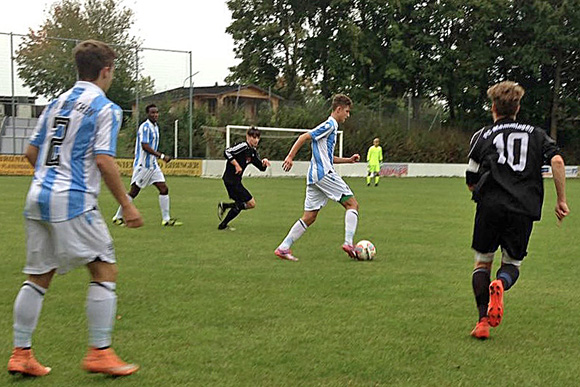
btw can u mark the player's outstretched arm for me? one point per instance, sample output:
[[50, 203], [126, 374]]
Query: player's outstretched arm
[[559, 176], [346, 160], [289, 160], [112, 178]]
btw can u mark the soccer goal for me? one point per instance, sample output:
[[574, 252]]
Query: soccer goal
[[272, 134]]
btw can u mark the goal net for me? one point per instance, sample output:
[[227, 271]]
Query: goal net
[[274, 142]]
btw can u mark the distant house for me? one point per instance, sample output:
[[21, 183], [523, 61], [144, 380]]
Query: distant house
[[249, 97]]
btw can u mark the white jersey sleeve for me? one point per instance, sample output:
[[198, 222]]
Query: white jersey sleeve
[[108, 124]]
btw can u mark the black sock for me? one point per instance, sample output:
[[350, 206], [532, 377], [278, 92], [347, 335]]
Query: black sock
[[232, 213], [229, 205], [508, 274], [480, 281]]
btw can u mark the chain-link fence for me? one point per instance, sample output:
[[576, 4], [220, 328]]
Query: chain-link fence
[[33, 70]]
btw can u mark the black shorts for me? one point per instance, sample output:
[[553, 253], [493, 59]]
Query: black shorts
[[494, 227], [237, 192]]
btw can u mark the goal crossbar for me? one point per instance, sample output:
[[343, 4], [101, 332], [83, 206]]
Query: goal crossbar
[[271, 129]]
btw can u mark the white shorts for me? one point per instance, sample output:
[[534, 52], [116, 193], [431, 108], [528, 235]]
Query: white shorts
[[66, 245], [144, 177], [330, 187]]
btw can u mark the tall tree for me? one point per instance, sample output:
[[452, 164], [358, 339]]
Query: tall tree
[[44, 58], [269, 36], [551, 58]]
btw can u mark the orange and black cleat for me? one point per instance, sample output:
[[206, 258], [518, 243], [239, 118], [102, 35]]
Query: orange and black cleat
[[481, 330], [495, 308]]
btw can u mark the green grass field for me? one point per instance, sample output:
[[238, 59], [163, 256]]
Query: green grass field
[[203, 307]]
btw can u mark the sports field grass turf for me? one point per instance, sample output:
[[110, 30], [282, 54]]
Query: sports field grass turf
[[203, 307]]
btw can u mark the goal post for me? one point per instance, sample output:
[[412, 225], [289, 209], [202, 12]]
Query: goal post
[[271, 129]]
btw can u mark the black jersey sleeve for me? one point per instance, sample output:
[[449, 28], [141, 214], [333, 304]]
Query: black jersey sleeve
[[231, 152], [549, 148], [473, 172], [257, 161]]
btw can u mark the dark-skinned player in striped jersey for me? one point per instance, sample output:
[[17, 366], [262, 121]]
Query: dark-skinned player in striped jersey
[[505, 176], [238, 157]]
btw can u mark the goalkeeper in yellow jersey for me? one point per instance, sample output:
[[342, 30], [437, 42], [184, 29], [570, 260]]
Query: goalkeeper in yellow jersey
[[375, 159]]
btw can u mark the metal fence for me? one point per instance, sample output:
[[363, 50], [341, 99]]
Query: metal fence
[[20, 106]]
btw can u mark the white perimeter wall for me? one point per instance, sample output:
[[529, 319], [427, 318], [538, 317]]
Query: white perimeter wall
[[215, 168]]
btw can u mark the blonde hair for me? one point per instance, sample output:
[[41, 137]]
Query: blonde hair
[[506, 97]]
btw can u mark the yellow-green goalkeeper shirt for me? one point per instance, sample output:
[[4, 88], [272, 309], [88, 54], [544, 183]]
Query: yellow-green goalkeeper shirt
[[375, 155]]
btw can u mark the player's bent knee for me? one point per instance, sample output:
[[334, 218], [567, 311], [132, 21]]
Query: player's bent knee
[[134, 191], [508, 260], [103, 271], [42, 280], [309, 217], [483, 260], [163, 191]]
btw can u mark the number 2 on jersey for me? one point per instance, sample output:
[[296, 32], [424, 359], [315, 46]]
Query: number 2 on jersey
[[59, 128], [513, 151]]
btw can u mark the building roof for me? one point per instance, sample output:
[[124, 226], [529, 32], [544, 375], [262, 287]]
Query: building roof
[[183, 92]]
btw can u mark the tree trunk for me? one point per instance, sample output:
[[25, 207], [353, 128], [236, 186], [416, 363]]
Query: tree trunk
[[556, 96]]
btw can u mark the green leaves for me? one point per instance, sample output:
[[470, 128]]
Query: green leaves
[[45, 60], [447, 51]]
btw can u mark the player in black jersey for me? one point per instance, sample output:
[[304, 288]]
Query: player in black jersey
[[238, 157], [505, 176]]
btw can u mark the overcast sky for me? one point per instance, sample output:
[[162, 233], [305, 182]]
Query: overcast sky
[[194, 25]]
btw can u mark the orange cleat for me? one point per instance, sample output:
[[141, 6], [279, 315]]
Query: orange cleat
[[23, 362], [495, 308], [105, 361], [481, 330]]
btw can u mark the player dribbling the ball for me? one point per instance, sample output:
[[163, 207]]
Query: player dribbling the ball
[[323, 182]]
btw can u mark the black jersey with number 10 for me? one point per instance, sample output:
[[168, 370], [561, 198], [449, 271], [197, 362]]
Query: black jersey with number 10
[[510, 157]]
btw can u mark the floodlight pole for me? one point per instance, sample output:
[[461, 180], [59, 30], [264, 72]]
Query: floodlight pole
[[13, 96], [190, 105], [175, 136], [137, 86]]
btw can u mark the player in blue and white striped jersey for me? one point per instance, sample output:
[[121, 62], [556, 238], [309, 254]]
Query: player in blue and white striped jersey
[[72, 147], [146, 171], [322, 181]]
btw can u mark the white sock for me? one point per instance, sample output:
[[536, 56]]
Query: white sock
[[27, 309], [295, 233], [350, 222], [119, 213], [164, 205], [101, 310]]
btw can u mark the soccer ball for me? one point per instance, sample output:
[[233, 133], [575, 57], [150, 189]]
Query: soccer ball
[[365, 250]]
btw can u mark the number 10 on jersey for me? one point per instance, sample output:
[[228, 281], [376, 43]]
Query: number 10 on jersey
[[516, 149]]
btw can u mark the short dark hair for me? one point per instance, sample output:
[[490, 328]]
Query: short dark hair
[[253, 132], [340, 100], [151, 105], [91, 56]]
